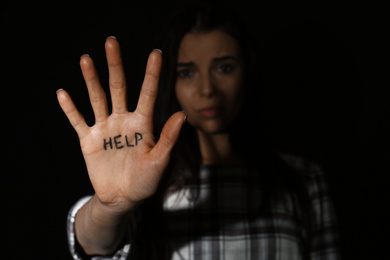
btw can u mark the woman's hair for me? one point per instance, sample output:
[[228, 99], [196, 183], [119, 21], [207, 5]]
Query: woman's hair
[[185, 156], [245, 131]]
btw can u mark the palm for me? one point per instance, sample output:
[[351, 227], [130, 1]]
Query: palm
[[124, 163], [114, 161]]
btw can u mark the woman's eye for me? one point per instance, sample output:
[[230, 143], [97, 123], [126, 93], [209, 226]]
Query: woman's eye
[[225, 68], [184, 73]]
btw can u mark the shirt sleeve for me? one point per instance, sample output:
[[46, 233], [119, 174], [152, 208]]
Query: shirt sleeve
[[75, 249], [325, 244], [324, 234]]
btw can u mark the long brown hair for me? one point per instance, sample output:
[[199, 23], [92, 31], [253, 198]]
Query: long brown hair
[[245, 132], [186, 160]]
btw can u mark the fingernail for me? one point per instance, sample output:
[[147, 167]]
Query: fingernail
[[158, 50], [111, 37], [58, 90], [185, 118], [84, 55]]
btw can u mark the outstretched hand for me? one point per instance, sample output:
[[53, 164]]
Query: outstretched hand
[[124, 162]]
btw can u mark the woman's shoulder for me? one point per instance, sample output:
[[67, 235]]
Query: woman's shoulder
[[301, 165], [311, 172]]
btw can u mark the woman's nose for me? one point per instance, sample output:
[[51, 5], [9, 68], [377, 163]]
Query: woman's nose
[[208, 87]]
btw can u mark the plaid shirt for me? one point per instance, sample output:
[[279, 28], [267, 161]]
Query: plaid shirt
[[221, 223]]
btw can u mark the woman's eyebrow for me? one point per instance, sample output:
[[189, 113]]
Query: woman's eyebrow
[[217, 59], [223, 58], [185, 64]]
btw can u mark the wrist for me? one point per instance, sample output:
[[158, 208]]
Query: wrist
[[99, 229], [110, 215]]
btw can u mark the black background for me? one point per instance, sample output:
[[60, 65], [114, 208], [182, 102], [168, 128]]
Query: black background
[[323, 95]]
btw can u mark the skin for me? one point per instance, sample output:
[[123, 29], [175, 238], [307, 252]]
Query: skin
[[209, 90], [123, 178]]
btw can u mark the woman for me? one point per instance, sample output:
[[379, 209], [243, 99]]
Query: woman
[[208, 188]]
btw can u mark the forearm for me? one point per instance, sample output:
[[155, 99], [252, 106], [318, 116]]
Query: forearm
[[99, 232]]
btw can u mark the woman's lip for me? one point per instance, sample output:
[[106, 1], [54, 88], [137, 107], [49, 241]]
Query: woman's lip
[[210, 111]]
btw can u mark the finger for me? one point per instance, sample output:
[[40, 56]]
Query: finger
[[97, 96], [169, 136], [74, 116], [149, 87], [117, 76]]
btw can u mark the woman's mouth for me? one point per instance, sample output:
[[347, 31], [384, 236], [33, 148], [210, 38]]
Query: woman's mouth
[[210, 112]]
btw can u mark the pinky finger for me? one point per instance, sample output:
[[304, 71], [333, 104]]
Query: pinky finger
[[75, 118]]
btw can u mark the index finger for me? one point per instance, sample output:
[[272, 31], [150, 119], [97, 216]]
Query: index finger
[[149, 89]]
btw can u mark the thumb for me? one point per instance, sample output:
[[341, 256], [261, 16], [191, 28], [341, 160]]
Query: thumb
[[169, 135]]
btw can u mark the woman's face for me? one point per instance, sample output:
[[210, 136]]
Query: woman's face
[[209, 80]]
